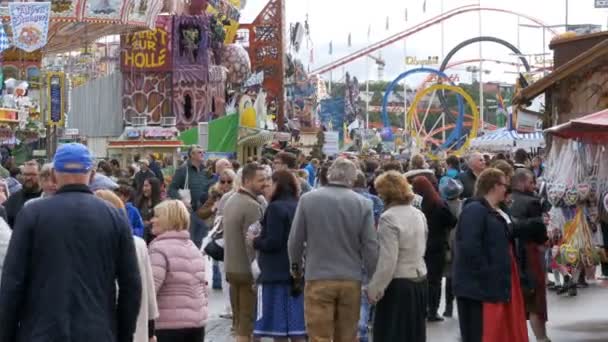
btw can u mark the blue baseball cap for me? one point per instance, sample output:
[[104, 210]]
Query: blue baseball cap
[[73, 158]]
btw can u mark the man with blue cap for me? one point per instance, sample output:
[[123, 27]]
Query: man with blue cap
[[69, 255]]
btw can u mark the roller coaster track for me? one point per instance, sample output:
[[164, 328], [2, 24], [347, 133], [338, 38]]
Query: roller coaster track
[[418, 28]]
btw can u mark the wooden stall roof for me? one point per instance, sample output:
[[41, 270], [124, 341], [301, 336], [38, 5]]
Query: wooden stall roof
[[561, 73]]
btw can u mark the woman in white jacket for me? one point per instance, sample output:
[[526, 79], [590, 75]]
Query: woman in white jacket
[[5, 238], [148, 310]]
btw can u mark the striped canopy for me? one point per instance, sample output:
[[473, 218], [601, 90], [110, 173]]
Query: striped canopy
[[506, 140]]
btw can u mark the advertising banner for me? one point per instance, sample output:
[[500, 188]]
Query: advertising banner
[[30, 24]]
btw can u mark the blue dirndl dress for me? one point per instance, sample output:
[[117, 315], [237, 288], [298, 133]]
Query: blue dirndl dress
[[278, 313]]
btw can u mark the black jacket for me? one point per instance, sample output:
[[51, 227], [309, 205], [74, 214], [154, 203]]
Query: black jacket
[[482, 262], [68, 255], [528, 227], [468, 179], [527, 213], [439, 221], [15, 202], [273, 259]]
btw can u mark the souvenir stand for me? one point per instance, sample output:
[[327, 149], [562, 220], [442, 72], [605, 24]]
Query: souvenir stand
[[146, 140], [576, 185]]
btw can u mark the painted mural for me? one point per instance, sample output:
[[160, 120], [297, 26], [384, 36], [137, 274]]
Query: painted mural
[[147, 94]]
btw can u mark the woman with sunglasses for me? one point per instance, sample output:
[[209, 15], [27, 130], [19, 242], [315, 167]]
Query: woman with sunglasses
[[486, 277], [224, 185]]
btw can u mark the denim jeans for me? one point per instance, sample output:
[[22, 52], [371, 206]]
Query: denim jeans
[[364, 319]]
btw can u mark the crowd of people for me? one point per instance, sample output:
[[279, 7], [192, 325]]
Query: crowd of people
[[303, 249]]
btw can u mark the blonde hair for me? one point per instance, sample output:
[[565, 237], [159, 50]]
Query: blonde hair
[[173, 214], [45, 171], [111, 197]]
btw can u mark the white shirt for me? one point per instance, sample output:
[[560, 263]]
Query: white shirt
[[148, 309]]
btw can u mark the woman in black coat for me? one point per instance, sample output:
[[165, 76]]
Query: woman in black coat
[[275, 281], [439, 221]]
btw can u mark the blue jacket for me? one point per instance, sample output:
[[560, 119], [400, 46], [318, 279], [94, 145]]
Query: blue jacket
[[482, 259], [273, 259], [311, 174], [68, 257], [377, 204], [135, 220]]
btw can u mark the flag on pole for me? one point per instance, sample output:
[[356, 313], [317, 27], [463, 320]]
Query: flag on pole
[[387, 26], [4, 42], [424, 7], [331, 47], [350, 42]]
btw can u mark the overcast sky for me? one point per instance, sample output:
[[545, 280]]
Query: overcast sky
[[333, 20]]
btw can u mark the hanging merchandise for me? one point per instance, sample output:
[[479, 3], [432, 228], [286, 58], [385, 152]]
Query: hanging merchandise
[[30, 24]]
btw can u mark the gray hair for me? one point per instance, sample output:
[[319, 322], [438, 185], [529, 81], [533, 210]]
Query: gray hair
[[45, 172], [520, 177], [342, 171], [472, 156]]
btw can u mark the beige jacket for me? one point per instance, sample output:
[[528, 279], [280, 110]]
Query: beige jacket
[[241, 211], [402, 235]]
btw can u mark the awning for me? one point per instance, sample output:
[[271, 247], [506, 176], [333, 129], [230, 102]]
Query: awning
[[505, 140], [592, 128]]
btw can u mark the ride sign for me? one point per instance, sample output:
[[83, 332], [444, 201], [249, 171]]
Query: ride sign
[[147, 50]]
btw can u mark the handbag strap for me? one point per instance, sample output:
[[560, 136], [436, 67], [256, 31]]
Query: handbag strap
[[186, 182]]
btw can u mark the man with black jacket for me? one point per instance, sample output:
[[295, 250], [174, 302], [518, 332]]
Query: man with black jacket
[[527, 213], [69, 256]]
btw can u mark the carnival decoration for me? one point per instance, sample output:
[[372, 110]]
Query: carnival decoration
[[148, 50], [468, 42], [29, 24], [227, 12], [56, 98], [456, 133], [474, 127], [4, 42], [236, 60], [73, 22]]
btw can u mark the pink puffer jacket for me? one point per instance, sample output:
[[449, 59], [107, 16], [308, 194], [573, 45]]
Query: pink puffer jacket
[[179, 277]]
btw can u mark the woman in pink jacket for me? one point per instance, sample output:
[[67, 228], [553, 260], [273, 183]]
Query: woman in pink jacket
[[179, 276]]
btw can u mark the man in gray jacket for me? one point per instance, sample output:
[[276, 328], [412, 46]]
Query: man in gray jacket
[[336, 227]]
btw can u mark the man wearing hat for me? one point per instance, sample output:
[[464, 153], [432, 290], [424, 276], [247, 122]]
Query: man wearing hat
[[69, 256]]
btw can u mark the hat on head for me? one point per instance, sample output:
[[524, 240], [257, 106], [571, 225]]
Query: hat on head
[[73, 158], [450, 188]]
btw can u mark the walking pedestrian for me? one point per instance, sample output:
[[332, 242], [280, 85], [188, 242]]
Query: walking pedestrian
[[192, 178], [476, 164], [242, 210], [281, 308], [178, 268], [72, 235], [440, 221], [485, 276], [147, 199], [527, 212], [337, 227], [31, 189], [47, 184], [399, 285], [148, 310]]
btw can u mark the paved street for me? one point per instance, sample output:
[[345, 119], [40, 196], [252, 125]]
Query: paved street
[[572, 319]]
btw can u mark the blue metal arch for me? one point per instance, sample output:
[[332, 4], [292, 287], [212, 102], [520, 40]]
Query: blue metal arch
[[459, 121]]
